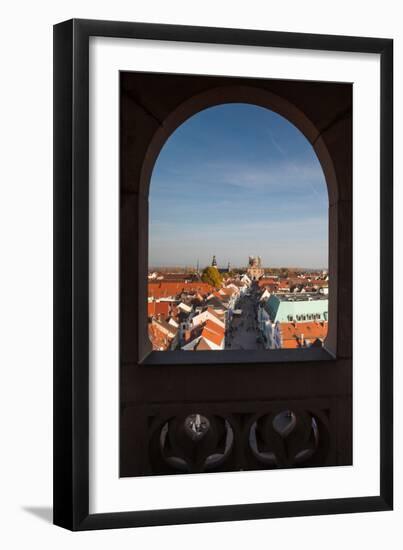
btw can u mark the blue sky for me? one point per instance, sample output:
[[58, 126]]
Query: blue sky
[[237, 180]]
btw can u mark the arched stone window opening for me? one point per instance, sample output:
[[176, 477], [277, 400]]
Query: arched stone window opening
[[181, 393], [337, 130]]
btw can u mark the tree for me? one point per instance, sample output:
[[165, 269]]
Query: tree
[[212, 276]]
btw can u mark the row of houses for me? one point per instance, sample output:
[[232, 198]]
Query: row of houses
[[191, 315], [187, 314], [299, 284]]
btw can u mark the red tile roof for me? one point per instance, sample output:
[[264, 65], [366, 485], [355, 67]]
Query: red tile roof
[[214, 327], [214, 332], [267, 282], [219, 316], [212, 336], [166, 289], [202, 345], [228, 291], [291, 333], [165, 327], [159, 340], [159, 308]]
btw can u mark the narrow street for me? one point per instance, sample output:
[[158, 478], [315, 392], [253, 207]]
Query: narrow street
[[244, 331]]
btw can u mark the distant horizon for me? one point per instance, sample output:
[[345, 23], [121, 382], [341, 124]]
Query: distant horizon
[[235, 180], [233, 266]]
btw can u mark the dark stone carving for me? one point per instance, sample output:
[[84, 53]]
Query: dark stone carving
[[202, 442], [289, 438], [195, 443]]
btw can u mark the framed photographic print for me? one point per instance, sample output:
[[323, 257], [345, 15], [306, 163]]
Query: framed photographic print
[[223, 274]]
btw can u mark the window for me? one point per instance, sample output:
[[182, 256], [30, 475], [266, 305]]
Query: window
[[229, 163]]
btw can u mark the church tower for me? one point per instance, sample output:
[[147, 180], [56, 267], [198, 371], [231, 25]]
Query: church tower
[[214, 262]]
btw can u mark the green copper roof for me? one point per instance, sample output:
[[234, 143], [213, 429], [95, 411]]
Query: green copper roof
[[286, 308]]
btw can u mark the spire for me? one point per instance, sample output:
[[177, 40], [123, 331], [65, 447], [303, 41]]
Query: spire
[[214, 262]]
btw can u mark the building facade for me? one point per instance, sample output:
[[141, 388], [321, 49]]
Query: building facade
[[290, 307], [255, 271]]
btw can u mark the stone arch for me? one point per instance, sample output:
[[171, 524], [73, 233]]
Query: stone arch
[[314, 133], [152, 105], [239, 94]]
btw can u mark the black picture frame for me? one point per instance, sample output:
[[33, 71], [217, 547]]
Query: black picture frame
[[71, 274]]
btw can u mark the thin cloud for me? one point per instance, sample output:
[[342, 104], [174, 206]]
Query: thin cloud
[[247, 182]]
